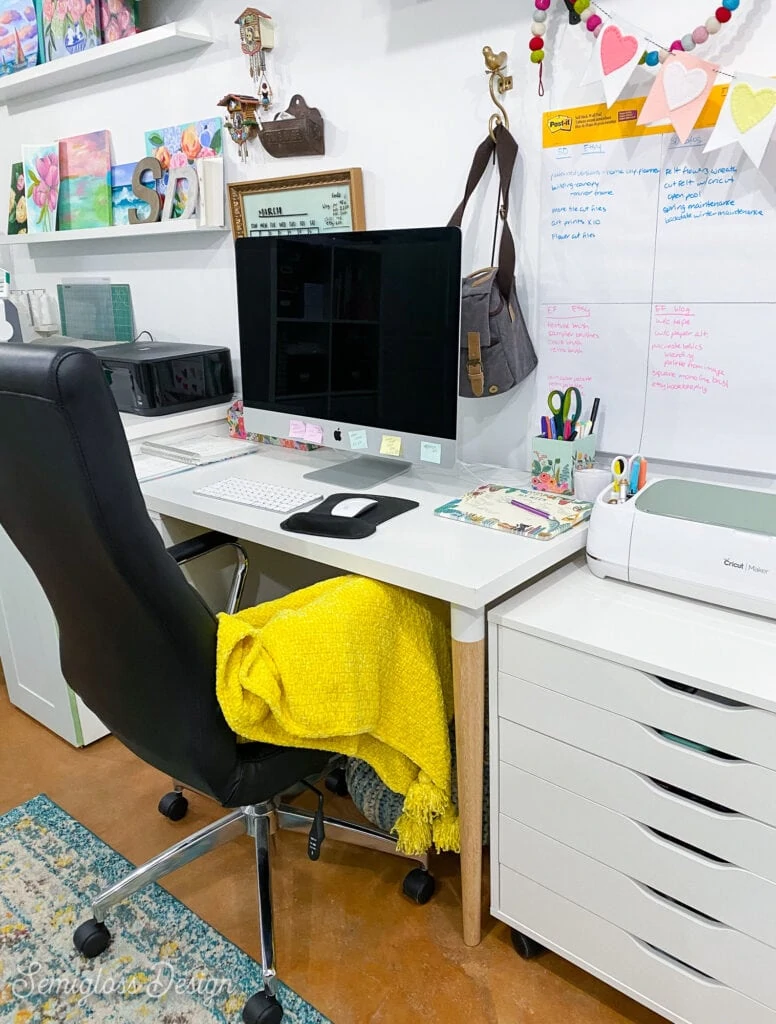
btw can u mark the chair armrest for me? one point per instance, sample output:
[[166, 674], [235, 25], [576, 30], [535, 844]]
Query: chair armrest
[[198, 546], [188, 550]]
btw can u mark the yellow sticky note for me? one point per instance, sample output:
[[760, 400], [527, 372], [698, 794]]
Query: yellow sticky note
[[390, 445]]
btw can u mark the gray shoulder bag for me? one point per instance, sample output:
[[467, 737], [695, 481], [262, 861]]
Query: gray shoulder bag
[[497, 351]]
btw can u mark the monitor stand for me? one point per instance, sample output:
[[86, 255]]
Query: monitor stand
[[360, 473]]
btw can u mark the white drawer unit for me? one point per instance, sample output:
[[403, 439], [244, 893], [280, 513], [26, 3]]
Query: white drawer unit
[[633, 792]]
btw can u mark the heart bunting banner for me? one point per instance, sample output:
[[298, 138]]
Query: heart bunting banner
[[748, 117]]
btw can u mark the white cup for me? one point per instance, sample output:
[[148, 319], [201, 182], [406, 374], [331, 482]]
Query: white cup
[[588, 483]]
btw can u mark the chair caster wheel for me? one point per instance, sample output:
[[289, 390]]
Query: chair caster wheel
[[525, 947], [173, 806], [419, 886], [336, 782], [91, 939], [262, 1009]]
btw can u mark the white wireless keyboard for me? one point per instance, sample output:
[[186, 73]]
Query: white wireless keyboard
[[259, 495]]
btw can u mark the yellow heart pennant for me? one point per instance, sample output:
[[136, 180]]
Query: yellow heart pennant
[[749, 108]]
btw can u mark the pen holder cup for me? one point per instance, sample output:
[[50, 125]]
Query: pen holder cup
[[554, 462]]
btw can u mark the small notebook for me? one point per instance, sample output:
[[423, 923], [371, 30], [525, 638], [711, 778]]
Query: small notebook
[[491, 506], [200, 450]]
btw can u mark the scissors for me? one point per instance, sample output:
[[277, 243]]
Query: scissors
[[560, 405], [625, 475]]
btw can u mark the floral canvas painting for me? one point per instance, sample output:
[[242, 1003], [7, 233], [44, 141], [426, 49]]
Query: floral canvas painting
[[41, 178], [17, 203], [69, 26], [18, 36], [183, 144], [85, 164], [118, 19]]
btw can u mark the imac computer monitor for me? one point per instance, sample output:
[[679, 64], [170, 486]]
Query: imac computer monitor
[[351, 340]]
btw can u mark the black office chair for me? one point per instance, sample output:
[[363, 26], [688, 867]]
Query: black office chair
[[137, 643]]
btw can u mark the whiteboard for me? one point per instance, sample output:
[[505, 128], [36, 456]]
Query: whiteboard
[[658, 286]]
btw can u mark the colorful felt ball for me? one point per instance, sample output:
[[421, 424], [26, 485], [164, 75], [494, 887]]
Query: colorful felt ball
[[540, 16], [663, 56], [688, 43], [537, 28], [587, 14], [652, 59], [537, 56], [676, 45], [732, 5], [713, 26], [643, 58], [541, 5], [701, 34], [581, 5], [593, 23], [537, 43], [722, 14]]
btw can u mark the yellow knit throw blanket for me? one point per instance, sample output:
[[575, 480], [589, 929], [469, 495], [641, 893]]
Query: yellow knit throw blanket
[[360, 668]]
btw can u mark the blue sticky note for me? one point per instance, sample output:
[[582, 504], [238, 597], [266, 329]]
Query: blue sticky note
[[430, 452], [358, 440]]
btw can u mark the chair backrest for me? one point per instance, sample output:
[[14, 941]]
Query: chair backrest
[[137, 643]]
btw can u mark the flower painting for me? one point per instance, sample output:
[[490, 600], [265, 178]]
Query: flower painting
[[41, 179], [118, 18], [85, 165], [17, 202], [69, 26], [181, 145], [18, 36]]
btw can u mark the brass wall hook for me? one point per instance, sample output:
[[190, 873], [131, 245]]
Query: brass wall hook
[[495, 68]]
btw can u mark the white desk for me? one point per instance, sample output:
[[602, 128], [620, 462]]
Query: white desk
[[468, 567]]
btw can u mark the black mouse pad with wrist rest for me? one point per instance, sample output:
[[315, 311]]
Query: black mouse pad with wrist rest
[[319, 522]]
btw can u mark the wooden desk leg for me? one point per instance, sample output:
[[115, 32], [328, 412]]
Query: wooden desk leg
[[468, 629]]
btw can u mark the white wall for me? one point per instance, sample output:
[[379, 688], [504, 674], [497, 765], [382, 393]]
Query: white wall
[[402, 88]]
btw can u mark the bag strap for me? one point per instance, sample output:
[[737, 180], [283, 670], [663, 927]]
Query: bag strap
[[505, 149]]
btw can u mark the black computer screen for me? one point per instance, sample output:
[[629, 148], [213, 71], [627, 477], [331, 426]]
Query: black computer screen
[[361, 328]]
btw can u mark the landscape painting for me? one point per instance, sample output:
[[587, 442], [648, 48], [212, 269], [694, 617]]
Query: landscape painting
[[85, 166], [41, 179], [18, 36], [124, 199], [183, 144]]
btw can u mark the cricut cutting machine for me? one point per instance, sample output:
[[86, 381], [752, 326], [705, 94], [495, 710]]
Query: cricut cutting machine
[[706, 541]]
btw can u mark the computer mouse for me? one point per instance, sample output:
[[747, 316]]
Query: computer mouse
[[349, 508]]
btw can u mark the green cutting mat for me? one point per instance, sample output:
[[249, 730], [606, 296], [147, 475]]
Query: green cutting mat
[[96, 312]]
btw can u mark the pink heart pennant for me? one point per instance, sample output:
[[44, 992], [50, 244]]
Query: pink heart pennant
[[616, 49]]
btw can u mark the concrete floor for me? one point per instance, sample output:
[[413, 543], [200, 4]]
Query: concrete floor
[[347, 941]]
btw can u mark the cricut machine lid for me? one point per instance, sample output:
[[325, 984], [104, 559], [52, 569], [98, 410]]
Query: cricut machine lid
[[711, 504]]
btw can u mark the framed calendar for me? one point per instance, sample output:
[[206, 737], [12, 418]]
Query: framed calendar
[[302, 204]]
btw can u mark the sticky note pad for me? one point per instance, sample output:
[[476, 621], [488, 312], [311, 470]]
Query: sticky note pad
[[430, 452], [390, 445], [296, 430], [313, 434], [358, 440]]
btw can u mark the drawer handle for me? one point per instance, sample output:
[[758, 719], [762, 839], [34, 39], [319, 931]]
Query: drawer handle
[[661, 897], [682, 794], [693, 691], [687, 847], [690, 745], [678, 965]]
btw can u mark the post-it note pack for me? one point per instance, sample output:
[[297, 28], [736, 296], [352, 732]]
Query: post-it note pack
[[390, 446]]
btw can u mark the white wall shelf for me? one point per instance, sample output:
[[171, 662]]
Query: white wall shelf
[[160, 229], [163, 42]]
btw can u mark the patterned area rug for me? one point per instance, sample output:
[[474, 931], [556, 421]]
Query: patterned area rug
[[164, 966]]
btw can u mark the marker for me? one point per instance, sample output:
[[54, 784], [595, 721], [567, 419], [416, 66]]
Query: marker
[[529, 508], [643, 474], [635, 476], [594, 414]]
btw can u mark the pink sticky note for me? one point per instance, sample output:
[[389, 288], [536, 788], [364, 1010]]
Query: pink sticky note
[[313, 434], [296, 430], [680, 91]]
